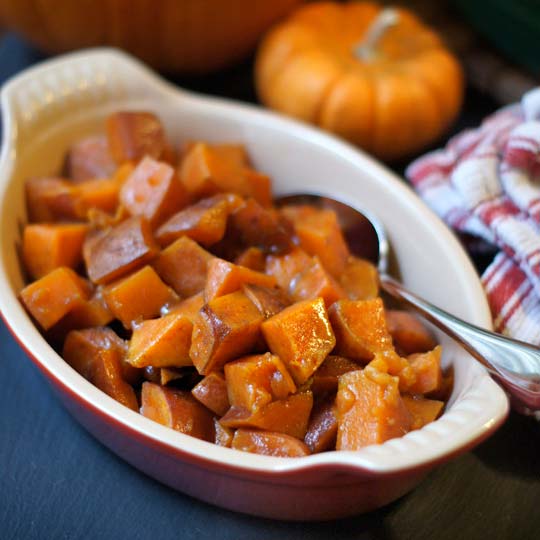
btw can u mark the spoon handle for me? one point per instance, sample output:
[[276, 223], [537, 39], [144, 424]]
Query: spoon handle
[[515, 364]]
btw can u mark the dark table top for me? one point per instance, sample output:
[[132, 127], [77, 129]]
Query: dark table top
[[56, 481]]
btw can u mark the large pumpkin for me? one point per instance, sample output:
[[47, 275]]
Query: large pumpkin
[[392, 98], [171, 35]]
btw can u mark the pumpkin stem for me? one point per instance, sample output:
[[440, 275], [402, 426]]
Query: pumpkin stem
[[366, 49]]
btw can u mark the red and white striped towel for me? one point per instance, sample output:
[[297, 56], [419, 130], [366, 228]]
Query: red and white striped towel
[[486, 182]]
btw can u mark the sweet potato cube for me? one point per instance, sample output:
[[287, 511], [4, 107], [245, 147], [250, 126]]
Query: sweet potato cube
[[97, 354], [285, 268], [223, 435], [301, 336], [269, 301], [359, 279], [53, 296], [212, 393], [168, 374], [325, 379], [177, 409], [268, 443], [252, 257], [90, 158], [227, 327], [184, 266], [392, 363], [320, 234], [137, 297], [101, 194], [204, 222], [427, 367], [408, 333], [162, 342], [369, 411], [153, 191], [133, 135], [120, 250], [225, 277], [322, 428], [422, 410], [255, 381], [189, 307], [360, 328], [49, 199], [315, 281], [48, 246], [289, 415]]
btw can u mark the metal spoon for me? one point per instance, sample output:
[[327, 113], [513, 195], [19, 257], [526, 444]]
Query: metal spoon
[[515, 364]]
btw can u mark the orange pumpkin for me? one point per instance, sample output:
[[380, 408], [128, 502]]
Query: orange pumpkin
[[171, 35], [388, 86]]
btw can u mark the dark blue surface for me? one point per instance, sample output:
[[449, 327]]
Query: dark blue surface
[[57, 482]]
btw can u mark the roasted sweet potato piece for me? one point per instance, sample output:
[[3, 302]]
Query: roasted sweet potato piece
[[269, 301], [370, 410], [289, 415], [360, 328], [153, 191], [254, 381], [101, 194], [319, 234], [359, 279], [268, 443], [137, 297], [322, 428], [252, 257], [48, 246], [224, 435], [90, 158], [184, 266], [162, 342], [178, 410], [227, 327], [315, 281], [390, 362], [225, 277], [325, 379], [212, 393], [49, 199], [285, 268], [422, 410], [120, 250], [408, 333], [97, 354], [301, 336], [427, 368], [189, 307], [133, 135], [53, 296], [204, 222]]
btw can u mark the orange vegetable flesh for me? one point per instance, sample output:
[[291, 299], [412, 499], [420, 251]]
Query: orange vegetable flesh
[[212, 393], [326, 378], [268, 444], [408, 333], [322, 429], [422, 410], [90, 158], [360, 281]]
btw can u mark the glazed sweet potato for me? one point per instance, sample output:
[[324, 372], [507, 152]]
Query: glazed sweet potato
[[408, 333], [268, 443], [212, 393], [323, 426], [90, 158]]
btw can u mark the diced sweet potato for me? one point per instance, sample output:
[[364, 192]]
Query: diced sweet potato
[[315, 281], [360, 328], [212, 393], [319, 234], [101, 194], [252, 257], [225, 277], [49, 199], [369, 411], [322, 428], [137, 297], [359, 279], [153, 191], [269, 301], [204, 222], [427, 367], [53, 296], [289, 415], [189, 307], [133, 135], [224, 436], [325, 379], [169, 374], [409, 334], [162, 342], [184, 266], [444, 391], [227, 327], [390, 362], [178, 410], [285, 268], [268, 443], [120, 250], [254, 381], [90, 158], [301, 336], [422, 410], [48, 246]]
